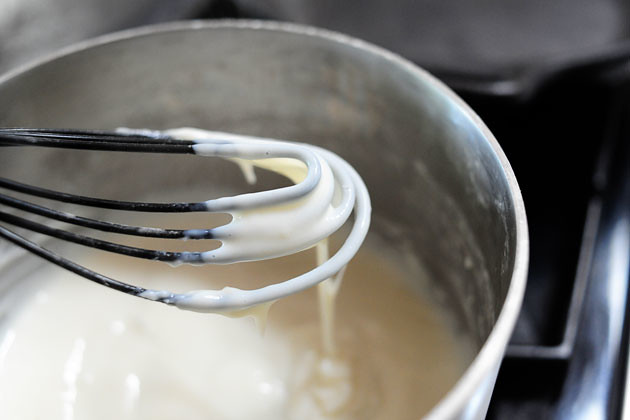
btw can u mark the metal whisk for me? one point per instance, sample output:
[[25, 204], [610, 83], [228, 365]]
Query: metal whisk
[[265, 224]]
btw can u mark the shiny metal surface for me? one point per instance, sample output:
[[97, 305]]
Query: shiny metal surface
[[440, 185]]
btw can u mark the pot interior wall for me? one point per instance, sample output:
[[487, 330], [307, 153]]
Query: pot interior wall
[[437, 188]]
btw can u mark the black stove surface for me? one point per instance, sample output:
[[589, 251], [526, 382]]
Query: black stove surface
[[570, 153]]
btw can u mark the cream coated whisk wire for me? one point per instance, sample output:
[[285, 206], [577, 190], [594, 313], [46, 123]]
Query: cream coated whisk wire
[[253, 235]]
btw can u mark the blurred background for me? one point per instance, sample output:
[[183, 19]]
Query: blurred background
[[552, 81]]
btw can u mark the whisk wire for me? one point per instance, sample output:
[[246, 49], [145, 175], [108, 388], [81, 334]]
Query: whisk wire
[[94, 140], [149, 254], [101, 225], [310, 210], [69, 265], [100, 202]]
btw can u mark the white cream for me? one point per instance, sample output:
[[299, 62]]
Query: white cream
[[75, 350], [127, 359], [326, 295], [277, 223], [280, 222], [274, 223]]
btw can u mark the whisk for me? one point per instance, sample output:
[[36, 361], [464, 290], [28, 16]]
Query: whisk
[[266, 224]]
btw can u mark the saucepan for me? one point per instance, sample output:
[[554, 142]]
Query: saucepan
[[439, 182]]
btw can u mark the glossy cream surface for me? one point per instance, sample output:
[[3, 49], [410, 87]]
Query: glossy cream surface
[[75, 350]]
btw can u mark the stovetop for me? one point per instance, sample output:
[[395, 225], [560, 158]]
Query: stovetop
[[570, 152], [569, 145]]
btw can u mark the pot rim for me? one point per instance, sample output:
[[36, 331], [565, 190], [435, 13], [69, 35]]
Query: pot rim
[[486, 361]]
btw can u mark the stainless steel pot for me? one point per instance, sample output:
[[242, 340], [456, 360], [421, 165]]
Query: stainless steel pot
[[439, 182]]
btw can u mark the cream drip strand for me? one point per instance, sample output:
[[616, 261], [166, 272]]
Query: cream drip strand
[[277, 222], [327, 292]]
